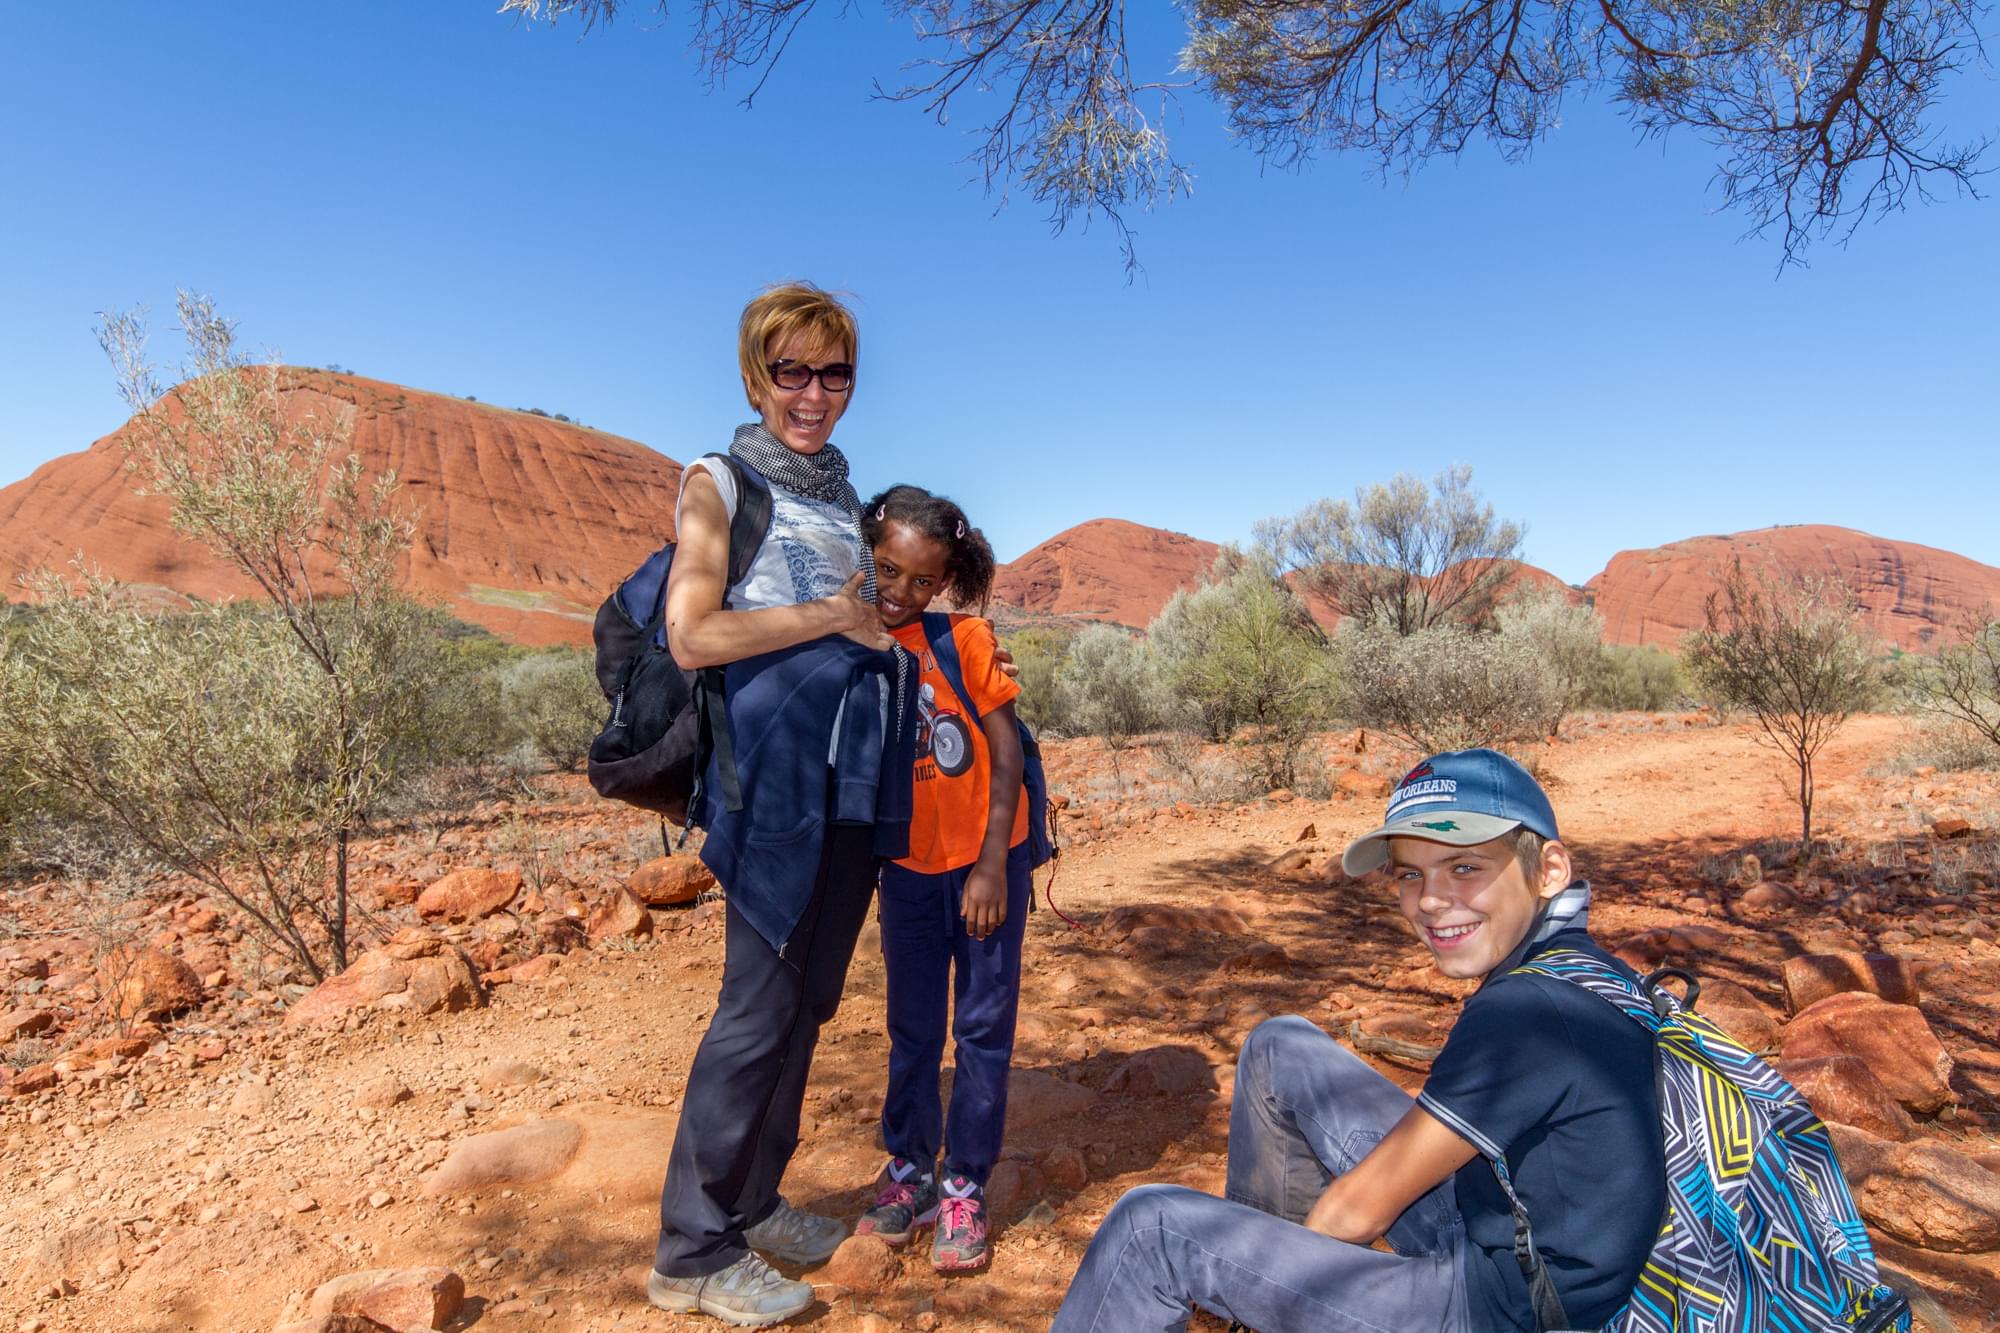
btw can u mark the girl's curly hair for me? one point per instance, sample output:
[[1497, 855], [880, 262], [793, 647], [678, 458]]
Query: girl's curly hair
[[969, 563]]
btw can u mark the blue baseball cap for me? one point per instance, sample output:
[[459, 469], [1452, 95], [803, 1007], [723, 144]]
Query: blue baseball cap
[[1463, 798]]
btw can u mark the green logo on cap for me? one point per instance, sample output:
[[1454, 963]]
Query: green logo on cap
[[1440, 825]]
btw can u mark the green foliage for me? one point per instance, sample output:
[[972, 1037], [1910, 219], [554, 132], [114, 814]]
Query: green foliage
[[1789, 652], [1109, 686], [1566, 642], [1443, 688], [1243, 651], [1407, 554], [1039, 654], [552, 703], [242, 746], [1631, 678], [1959, 687]]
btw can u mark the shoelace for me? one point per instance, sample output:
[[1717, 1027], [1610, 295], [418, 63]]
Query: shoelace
[[750, 1277], [896, 1194], [956, 1214]]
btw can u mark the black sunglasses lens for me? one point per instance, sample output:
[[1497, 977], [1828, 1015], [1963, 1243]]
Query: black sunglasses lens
[[791, 376]]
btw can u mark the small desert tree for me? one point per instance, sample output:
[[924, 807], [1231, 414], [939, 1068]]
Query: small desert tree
[[242, 746], [1110, 688], [1408, 555], [1039, 652], [1244, 651], [1789, 652], [553, 702], [1444, 688], [1566, 641], [1961, 684]]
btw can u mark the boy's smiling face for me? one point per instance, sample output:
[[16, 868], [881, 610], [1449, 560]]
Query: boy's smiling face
[[1472, 905]]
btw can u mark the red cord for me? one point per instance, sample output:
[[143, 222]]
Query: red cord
[[1050, 889]]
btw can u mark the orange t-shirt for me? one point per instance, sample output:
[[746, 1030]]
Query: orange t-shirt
[[954, 775]]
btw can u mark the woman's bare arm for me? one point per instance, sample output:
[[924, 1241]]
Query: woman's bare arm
[[701, 633]]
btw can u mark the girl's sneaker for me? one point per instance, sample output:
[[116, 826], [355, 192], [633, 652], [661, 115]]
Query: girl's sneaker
[[907, 1200], [960, 1244]]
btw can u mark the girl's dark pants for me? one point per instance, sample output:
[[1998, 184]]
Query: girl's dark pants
[[740, 1113], [925, 947]]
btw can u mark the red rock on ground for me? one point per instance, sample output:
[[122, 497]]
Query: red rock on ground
[[1893, 1039], [862, 1264], [620, 916], [145, 983], [1845, 1091], [421, 976], [413, 1299], [1810, 978], [1163, 1071], [1923, 1192], [1260, 957], [25, 1023], [466, 895], [668, 881], [1140, 916], [518, 1156]]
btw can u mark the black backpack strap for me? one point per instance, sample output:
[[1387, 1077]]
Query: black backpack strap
[[1542, 1294], [944, 647], [752, 519]]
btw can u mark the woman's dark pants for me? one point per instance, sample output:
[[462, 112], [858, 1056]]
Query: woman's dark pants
[[740, 1113]]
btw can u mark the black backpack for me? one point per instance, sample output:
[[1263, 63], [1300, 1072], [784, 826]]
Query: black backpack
[[946, 743], [665, 721]]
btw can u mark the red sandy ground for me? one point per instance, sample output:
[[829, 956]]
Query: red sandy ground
[[1645, 801]]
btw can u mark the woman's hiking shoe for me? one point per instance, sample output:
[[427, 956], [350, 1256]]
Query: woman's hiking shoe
[[793, 1237], [749, 1293], [960, 1244], [906, 1200]]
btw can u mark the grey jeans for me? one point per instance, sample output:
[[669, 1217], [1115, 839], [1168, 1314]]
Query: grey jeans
[[1306, 1109]]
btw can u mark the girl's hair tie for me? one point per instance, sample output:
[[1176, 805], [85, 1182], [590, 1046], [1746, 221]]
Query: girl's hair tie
[[960, 534], [881, 512]]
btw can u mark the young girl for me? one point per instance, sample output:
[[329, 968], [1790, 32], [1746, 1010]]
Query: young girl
[[953, 910]]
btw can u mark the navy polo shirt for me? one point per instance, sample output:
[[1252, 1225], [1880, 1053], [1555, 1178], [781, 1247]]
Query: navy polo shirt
[[1561, 1083]]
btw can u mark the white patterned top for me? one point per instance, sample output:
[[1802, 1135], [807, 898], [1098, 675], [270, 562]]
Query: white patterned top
[[811, 549]]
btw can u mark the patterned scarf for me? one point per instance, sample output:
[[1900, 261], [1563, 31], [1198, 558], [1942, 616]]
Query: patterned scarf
[[821, 476]]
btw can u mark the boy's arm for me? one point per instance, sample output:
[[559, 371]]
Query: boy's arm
[[1419, 1154], [985, 902]]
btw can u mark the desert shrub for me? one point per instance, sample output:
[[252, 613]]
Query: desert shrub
[[1959, 687], [1949, 746], [1443, 688], [1643, 679], [1788, 651], [1109, 687], [1243, 652], [1565, 642], [552, 703], [242, 746], [1039, 653]]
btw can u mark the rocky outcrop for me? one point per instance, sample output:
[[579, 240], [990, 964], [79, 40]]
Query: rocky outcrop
[[524, 523], [1911, 596], [1923, 1192], [1106, 569]]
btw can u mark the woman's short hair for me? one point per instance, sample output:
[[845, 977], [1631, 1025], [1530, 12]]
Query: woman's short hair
[[779, 312]]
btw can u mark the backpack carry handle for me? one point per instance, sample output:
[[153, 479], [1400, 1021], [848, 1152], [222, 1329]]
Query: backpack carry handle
[[1664, 1001]]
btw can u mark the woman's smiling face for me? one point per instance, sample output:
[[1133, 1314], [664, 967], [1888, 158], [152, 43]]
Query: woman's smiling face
[[1472, 905], [802, 419]]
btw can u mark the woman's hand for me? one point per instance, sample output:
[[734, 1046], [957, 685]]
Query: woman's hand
[[983, 903], [859, 620]]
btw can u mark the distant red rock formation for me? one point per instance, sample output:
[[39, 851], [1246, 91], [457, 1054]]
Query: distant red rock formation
[[524, 523], [1911, 596], [1106, 569]]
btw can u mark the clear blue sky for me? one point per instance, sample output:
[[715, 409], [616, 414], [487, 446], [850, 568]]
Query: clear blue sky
[[432, 194]]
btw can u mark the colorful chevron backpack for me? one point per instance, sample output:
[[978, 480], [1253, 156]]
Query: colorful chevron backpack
[[1760, 1234]]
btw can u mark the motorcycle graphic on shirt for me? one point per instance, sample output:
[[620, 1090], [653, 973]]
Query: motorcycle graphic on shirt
[[942, 734]]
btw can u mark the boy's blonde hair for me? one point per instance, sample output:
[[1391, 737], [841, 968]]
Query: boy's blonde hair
[[776, 315]]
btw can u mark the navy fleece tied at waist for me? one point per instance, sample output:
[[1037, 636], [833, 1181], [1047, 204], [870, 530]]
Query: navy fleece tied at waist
[[788, 712]]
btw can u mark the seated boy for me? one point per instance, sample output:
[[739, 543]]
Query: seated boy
[[1327, 1156]]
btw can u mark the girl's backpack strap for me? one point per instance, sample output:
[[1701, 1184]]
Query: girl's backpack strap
[[944, 647]]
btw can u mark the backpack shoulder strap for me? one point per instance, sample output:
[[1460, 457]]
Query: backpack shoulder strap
[[944, 647], [752, 520]]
